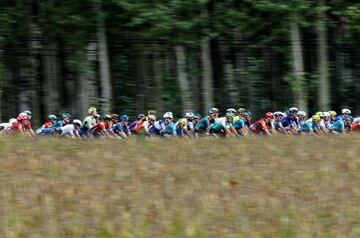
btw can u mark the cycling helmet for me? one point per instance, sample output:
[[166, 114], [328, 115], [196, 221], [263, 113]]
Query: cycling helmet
[[28, 113], [168, 115], [22, 118], [189, 114], [229, 115], [52, 117], [152, 117], [326, 114], [197, 116], [107, 117], [77, 122], [92, 110], [140, 116], [346, 111], [124, 118], [301, 113], [316, 118], [231, 110], [320, 114], [213, 111], [22, 114], [151, 112], [183, 121], [333, 113], [241, 110], [12, 120], [65, 115], [114, 116], [247, 113], [278, 114], [269, 115], [293, 110]]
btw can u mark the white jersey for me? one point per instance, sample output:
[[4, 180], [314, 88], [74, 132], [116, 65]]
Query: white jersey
[[89, 122], [68, 130], [356, 119], [221, 121]]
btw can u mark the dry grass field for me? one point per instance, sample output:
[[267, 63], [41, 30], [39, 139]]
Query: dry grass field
[[256, 187]]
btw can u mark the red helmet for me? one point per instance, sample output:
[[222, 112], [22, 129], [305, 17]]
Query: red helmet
[[269, 115], [22, 118]]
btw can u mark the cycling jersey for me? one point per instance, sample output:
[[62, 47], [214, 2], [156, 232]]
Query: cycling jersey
[[289, 121], [260, 126], [278, 125], [46, 125], [98, 128], [168, 130], [203, 125], [89, 121], [68, 130], [337, 126], [56, 125], [157, 127], [120, 127], [219, 124], [238, 123], [16, 127]]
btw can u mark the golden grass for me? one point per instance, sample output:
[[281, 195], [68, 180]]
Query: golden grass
[[255, 187]]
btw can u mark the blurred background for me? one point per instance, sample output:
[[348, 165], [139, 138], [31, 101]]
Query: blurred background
[[128, 56]]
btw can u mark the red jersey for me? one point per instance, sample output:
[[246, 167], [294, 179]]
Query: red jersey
[[16, 127], [355, 126], [99, 127], [259, 126]]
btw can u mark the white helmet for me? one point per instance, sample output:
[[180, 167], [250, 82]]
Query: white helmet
[[346, 111], [293, 110], [189, 114], [168, 115], [78, 122], [301, 113], [326, 114], [22, 114], [231, 110], [278, 114]]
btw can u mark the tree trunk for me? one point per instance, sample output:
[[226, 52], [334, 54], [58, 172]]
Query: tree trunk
[[105, 80], [158, 68], [186, 97], [298, 65], [324, 93], [207, 78]]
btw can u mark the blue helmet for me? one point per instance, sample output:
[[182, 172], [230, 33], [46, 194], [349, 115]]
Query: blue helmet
[[124, 118], [197, 116]]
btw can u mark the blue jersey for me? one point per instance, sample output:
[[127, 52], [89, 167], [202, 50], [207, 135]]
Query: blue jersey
[[202, 125], [337, 126], [289, 121], [157, 128], [168, 130], [120, 127], [238, 124], [278, 125]]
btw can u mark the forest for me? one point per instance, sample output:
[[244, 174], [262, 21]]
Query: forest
[[129, 56]]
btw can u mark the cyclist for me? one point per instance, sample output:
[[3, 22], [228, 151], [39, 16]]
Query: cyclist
[[301, 115], [180, 126], [52, 119], [101, 128], [141, 118], [121, 128], [277, 123], [91, 120], [202, 127], [241, 112], [197, 119], [189, 127], [248, 118], [239, 125], [311, 126], [70, 130], [337, 124], [290, 121], [222, 126], [59, 123], [20, 126], [29, 127], [348, 124], [325, 122], [263, 125]]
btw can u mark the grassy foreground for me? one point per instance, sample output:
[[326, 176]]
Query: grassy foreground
[[256, 187]]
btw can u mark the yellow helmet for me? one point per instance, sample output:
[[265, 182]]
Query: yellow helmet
[[316, 118], [333, 113], [151, 112], [183, 121], [320, 114], [92, 110]]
